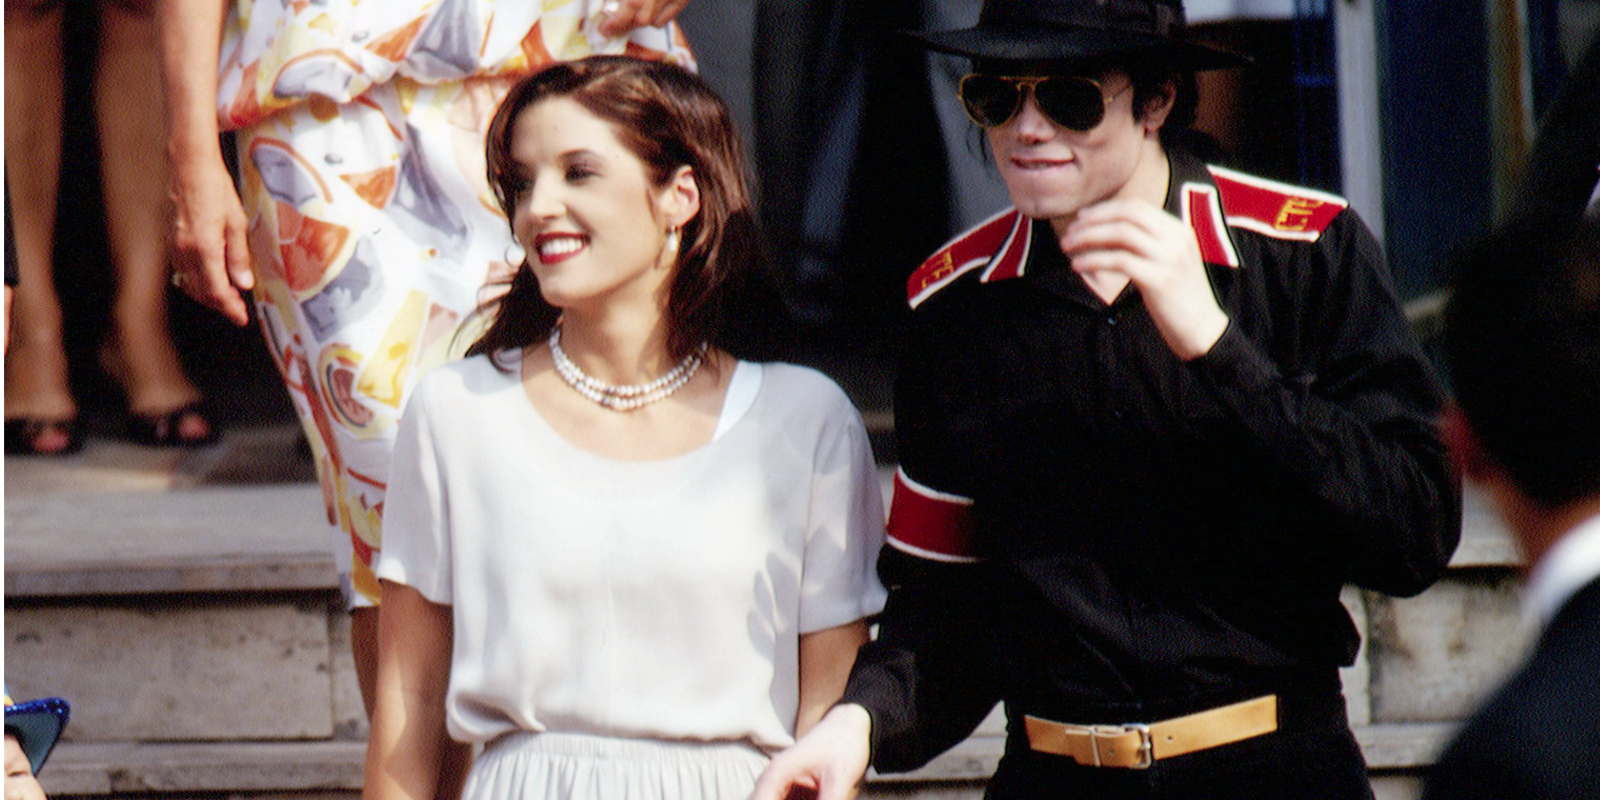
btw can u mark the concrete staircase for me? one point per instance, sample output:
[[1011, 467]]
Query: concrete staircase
[[187, 607]]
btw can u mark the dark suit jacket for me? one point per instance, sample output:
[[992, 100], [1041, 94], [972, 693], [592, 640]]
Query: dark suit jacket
[[1561, 171], [1538, 738]]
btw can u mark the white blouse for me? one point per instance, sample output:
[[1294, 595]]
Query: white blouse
[[660, 599]]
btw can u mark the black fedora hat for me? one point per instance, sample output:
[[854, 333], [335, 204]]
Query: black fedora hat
[[1081, 31]]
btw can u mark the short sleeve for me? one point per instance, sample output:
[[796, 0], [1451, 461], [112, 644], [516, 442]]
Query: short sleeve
[[839, 583], [416, 528]]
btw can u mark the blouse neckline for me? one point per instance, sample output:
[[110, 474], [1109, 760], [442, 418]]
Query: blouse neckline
[[744, 387]]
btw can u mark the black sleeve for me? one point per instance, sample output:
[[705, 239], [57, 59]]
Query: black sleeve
[[929, 678], [1358, 430]]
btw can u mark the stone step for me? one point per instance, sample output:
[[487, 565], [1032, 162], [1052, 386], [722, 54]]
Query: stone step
[[260, 767], [242, 767]]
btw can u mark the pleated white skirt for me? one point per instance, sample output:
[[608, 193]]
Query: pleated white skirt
[[565, 766]]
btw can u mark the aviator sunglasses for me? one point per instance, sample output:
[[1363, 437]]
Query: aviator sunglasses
[[1073, 102]]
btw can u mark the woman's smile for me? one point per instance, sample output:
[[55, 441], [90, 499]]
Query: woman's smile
[[554, 248]]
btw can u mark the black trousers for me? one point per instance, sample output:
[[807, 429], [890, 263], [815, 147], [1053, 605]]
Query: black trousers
[[1312, 756]]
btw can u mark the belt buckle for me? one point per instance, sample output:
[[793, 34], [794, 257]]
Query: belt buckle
[[1146, 743]]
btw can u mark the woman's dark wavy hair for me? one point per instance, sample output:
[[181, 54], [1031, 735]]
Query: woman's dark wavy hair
[[668, 118]]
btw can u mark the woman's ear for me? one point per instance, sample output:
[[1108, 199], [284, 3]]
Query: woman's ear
[[680, 199]]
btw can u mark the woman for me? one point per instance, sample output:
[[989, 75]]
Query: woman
[[628, 561], [164, 408], [361, 225]]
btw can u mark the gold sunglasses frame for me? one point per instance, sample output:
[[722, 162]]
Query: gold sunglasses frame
[[1025, 86]]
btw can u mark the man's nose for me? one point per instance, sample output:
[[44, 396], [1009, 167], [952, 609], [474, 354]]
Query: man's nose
[[1031, 123]]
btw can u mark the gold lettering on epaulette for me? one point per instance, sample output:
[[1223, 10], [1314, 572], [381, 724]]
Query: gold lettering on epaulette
[[946, 265], [1295, 215]]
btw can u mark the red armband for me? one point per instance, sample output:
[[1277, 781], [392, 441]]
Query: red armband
[[928, 523]]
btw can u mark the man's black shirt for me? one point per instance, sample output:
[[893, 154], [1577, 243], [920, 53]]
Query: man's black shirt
[[1149, 536]]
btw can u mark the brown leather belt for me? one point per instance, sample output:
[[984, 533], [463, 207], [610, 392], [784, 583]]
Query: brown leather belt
[[1138, 745]]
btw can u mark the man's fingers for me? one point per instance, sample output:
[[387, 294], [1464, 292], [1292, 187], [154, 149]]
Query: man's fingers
[[838, 788], [1113, 234], [1146, 214], [773, 785], [787, 778], [1117, 261], [781, 781]]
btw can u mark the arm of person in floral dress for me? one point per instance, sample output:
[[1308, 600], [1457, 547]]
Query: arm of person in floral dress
[[625, 15], [211, 257], [406, 751]]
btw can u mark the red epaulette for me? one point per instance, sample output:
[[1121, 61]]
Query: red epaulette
[[1278, 210], [999, 243]]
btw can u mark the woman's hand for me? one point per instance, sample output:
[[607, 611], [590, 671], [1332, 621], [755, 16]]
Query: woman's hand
[[622, 16], [211, 256], [210, 249]]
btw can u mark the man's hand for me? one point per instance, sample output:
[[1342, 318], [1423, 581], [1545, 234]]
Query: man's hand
[[211, 254], [1159, 255], [622, 16], [829, 761]]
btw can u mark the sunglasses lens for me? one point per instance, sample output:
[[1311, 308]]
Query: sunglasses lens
[[1073, 103], [989, 100]]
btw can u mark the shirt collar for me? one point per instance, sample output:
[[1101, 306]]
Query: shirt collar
[[1566, 567], [1185, 168]]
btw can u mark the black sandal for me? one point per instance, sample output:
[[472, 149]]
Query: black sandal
[[166, 430], [23, 434]]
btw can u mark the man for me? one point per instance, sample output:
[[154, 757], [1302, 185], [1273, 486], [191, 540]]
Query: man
[[1150, 421], [1523, 345]]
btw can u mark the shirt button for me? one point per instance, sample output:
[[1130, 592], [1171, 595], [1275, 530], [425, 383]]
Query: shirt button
[[1111, 319], [1118, 413]]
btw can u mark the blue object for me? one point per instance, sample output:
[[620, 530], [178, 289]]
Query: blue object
[[37, 725]]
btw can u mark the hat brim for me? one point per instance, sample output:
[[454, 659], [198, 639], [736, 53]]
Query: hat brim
[[37, 725], [1036, 42]]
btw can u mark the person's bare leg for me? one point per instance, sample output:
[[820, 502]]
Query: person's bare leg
[[36, 363], [364, 648], [138, 216]]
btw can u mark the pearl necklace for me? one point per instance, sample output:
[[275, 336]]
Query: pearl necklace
[[626, 397]]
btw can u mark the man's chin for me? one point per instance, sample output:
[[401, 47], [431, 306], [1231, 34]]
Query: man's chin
[[1050, 208]]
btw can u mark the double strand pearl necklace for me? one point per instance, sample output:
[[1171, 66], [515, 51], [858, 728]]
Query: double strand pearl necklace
[[626, 397]]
